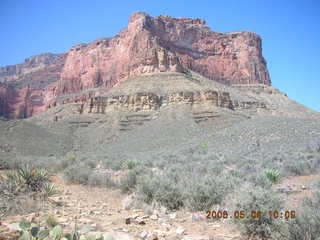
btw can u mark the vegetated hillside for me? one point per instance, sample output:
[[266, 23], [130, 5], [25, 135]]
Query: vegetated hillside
[[180, 140], [170, 132]]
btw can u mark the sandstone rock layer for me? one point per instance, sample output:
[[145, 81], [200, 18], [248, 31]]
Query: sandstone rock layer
[[147, 45]]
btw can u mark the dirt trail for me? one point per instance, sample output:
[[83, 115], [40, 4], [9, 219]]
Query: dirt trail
[[101, 210]]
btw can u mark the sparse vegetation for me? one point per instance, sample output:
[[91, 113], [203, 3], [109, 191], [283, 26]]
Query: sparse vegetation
[[100, 180], [272, 175], [77, 174], [306, 225], [51, 221], [257, 199], [22, 189], [128, 181], [32, 231], [130, 164]]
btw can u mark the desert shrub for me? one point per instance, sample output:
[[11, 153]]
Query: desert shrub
[[130, 164], [302, 165], [162, 189], [314, 145], [257, 178], [113, 163], [273, 175], [100, 180], [4, 163], [306, 225], [128, 181], [202, 193], [257, 199], [77, 174]]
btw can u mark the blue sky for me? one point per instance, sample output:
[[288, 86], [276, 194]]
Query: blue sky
[[290, 30]]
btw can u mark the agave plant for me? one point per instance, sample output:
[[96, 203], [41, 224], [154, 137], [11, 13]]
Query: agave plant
[[48, 190], [272, 175]]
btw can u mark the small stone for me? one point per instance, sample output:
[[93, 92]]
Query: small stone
[[152, 236], [141, 222], [303, 187], [128, 221], [180, 230], [154, 217], [143, 235], [135, 216], [127, 203], [173, 236], [173, 215]]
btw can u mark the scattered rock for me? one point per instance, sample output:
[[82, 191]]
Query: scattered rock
[[180, 230], [143, 235], [118, 236], [196, 237], [128, 202], [173, 236], [154, 217], [152, 236], [86, 229], [128, 220]]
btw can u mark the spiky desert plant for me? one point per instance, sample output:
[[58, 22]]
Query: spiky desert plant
[[49, 189], [272, 175]]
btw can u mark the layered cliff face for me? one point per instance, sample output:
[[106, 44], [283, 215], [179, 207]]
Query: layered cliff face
[[148, 45], [165, 44], [25, 88]]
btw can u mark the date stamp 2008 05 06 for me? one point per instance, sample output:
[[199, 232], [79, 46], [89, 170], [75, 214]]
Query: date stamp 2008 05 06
[[254, 214]]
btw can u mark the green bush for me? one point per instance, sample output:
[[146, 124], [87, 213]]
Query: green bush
[[100, 180], [201, 194], [128, 181], [162, 189], [130, 164], [306, 225], [272, 175], [77, 174], [257, 199]]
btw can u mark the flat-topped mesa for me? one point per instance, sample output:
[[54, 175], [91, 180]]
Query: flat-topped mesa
[[151, 45], [147, 45]]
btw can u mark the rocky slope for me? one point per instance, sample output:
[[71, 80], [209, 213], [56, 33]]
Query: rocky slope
[[147, 45]]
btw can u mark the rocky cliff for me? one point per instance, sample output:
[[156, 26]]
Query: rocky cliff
[[147, 45]]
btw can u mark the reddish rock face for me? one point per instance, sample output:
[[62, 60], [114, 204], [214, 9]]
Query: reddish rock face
[[147, 45], [26, 88]]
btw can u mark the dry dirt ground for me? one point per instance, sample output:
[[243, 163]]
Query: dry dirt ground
[[102, 210]]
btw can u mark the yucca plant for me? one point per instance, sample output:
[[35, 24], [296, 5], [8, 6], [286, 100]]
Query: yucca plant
[[272, 175], [48, 190]]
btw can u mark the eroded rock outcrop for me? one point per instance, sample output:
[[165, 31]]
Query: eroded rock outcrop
[[147, 45], [26, 88], [151, 101]]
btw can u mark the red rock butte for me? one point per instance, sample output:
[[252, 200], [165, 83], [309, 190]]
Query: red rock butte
[[147, 45]]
